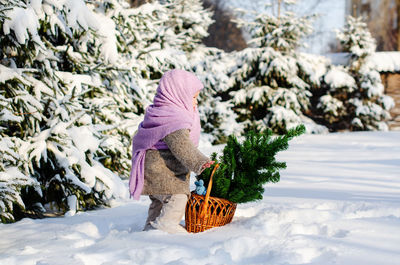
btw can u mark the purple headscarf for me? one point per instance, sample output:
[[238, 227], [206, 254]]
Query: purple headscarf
[[172, 110]]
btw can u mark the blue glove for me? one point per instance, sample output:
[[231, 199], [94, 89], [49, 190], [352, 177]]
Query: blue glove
[[200, 189]]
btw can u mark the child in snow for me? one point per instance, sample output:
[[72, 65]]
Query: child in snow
[[164, 150]]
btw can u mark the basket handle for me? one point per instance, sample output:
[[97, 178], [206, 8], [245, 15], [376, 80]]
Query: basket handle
[[205, 204]]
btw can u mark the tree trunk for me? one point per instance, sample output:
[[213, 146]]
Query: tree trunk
[[279, 8]]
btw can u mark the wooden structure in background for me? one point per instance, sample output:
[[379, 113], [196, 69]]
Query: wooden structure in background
[[391, 81], [382, 18]]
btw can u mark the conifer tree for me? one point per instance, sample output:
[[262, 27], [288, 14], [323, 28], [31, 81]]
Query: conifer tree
[[13, 178], [157, 37], [354, 97], [246, 166], [274, 81], [56, 65], [214, 68]]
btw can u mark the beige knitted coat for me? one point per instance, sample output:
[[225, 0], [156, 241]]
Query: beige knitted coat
[[168, 171]]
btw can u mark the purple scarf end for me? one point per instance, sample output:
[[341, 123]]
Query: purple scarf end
[[136, 179], [134, 196]]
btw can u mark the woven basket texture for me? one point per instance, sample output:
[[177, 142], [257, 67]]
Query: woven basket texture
[[198, 218]]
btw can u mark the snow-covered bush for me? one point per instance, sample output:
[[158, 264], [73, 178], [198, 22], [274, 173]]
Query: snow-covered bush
[[13, 178], [354, 95]]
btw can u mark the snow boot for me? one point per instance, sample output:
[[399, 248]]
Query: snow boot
[[172, 211]]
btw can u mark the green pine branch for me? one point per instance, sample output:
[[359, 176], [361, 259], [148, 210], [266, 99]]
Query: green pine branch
[[246, 166]]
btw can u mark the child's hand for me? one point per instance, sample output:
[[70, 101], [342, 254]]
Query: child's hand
[[208, 164]]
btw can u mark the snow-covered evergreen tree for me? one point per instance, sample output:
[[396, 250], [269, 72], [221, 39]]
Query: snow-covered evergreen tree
[[273, 81], [214, 67], [159, 36], [354, 97], [13, 178], [57, 64]]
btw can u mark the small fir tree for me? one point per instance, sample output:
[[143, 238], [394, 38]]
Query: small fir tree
[[246, 166], [354, 95], [273, 83]]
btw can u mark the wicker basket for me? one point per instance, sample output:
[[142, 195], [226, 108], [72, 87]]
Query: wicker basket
[[205, 212]]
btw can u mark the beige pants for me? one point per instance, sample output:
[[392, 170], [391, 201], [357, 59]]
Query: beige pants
[[166, 212]]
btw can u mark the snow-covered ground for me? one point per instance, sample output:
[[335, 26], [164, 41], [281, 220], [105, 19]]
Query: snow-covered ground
[[338, 202]]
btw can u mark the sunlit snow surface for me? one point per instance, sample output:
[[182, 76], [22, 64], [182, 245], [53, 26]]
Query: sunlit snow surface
[[338, 202]]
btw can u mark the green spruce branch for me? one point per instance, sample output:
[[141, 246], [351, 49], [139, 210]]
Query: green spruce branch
[[246, 166]]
